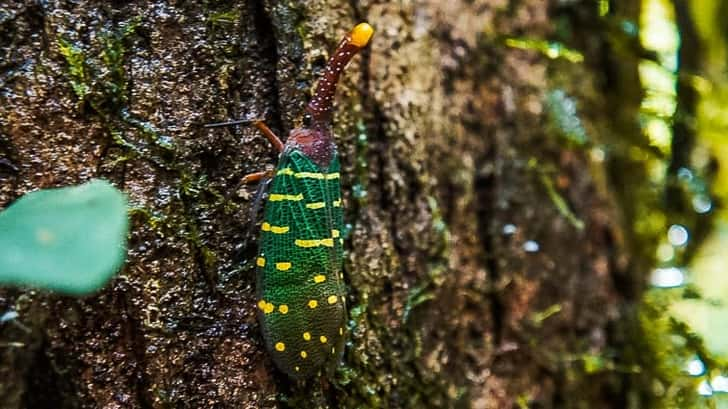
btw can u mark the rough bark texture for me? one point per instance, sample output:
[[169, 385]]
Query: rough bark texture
[[487, 263]]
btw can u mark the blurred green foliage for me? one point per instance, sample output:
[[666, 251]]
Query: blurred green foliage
[[551, 49], [686, 326], [564, 120], [71, 239]]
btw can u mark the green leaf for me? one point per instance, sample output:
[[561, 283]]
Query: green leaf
[[71, 239]]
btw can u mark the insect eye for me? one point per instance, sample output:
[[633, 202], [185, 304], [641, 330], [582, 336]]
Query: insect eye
[[307, 120]]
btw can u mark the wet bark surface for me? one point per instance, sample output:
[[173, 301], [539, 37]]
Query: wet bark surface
[[486, 263]]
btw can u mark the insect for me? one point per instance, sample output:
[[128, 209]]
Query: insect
[[299, 287]]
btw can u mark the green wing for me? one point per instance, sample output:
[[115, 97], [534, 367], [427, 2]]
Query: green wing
[[300, 287]]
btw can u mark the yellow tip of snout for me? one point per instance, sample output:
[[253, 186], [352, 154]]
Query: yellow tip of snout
[[361, 34]]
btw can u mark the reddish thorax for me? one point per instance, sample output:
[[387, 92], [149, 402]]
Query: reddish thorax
[[316, 142]]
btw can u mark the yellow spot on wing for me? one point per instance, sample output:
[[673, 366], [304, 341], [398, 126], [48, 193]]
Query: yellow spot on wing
[[337, 203], [314, 243], [341, 331], [335, 233], [310, 175], [269, 307], [275, 197], [315, 205], [260, 261], [304, 354], [312, 304], [261, 304], [323, 339], [283, 266], [280, 346], [332, 299], [307, 336], [275, 229], [297, 369], [319, 278], [283, 308]]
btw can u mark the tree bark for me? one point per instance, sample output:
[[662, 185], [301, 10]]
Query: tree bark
[[487, 262]]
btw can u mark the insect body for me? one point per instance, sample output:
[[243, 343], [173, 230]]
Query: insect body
[[300, 287]]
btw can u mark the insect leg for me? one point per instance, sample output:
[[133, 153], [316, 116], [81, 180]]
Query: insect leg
[[257, 176], [263, 175], [260, 196], [272, 137]]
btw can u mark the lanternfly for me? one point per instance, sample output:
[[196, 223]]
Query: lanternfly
[[300, 287]]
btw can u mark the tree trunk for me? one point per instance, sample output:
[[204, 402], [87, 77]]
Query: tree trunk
[[488, 265]]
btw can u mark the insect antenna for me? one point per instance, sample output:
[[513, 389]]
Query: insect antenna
[[230, 123]]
